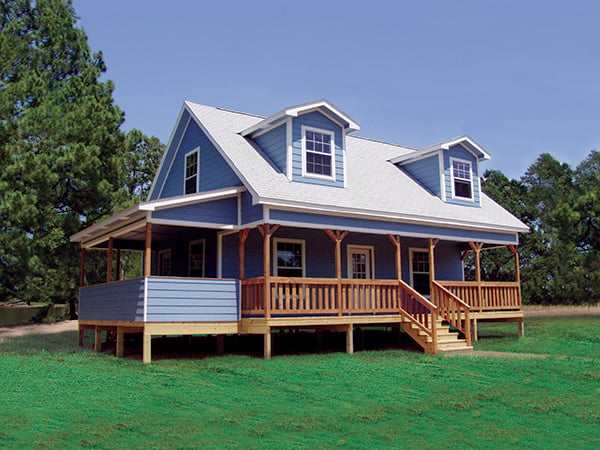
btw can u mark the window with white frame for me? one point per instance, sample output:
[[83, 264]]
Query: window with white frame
[[462, 179], [319, 157], [360, 262], [196, 258], [191, 172], [419, 270], [289, 257], [164, 262]]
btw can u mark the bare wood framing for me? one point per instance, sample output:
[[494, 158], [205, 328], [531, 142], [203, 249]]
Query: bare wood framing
[[148, 251]]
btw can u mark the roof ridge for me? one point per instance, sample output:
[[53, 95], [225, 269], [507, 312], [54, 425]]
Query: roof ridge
[[382, 142], [226, 109]]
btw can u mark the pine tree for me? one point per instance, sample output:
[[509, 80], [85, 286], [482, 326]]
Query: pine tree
[[61, 148]]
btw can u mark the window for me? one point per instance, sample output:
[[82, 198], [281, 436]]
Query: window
[[289, 257], [164, 262], [196, 258], [360, 262], [419, 270], [319, 160], [462, 182], [191, 172]]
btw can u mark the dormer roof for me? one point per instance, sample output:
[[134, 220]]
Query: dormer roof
[[464, 141], [328, 108]]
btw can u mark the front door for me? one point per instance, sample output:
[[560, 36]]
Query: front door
[[360, 262], [419, 270]]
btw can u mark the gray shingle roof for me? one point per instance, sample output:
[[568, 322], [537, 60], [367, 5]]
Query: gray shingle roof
[[375, 187]]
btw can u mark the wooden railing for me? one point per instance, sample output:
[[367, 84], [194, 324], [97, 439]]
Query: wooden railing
[[452, 309], [319, 296], [486, 295]]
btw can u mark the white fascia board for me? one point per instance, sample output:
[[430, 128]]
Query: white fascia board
[[407, 218], [474, 147], [416, 156], [115, 232], [167, 147], [125, 215], [183, 200], [189, 223]]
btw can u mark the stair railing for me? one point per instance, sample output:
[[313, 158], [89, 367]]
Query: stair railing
[[419, 311], [452, 309]]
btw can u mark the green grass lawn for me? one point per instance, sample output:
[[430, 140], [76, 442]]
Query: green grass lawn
[[54, 394]]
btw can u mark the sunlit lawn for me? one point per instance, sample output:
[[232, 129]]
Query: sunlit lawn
[[57, 395]]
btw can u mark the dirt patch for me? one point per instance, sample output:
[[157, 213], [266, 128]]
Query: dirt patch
[[494, 354], [38, 328], [561, 310]]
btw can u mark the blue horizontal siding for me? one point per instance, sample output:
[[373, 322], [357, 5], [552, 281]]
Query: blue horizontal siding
[[380, 226], [459, 152], [427, 173], [222, 211], [250, 213], [192, 300], [316, 120], [121, 300], [215, 172], [169, 154], [273, 143]]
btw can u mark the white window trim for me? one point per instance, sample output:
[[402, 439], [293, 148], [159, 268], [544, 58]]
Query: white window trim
[[291, 241], [351, 248], [189, 261], [195, 150], [333, 152], [166, 251], [411, 251], [454, 196]]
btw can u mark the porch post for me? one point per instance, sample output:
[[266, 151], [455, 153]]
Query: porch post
[[267, 231], [338, 236], [395, 240], [515, 251], [432, 245], [148, 251], [118, 274], [109, 259], [243, 236], [82, 267], [476, 247]]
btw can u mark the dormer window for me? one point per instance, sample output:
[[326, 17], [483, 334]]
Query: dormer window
[[191, 172], [462, 179], [318, 153]]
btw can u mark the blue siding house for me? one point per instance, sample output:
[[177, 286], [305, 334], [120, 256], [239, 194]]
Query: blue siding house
[[260, 224]]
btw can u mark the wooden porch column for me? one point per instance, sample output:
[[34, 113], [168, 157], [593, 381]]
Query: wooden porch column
[[118, 274], [148, 251], [515, 251], [431, 254], [267, 231], [338, 236], [82, 267], [109, 259], [243, 237], [395, 240], [476, 247]]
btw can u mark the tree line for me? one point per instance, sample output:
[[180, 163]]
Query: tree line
[[65, 163]]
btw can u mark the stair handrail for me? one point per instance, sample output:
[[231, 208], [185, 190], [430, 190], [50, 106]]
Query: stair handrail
[[431, 330], [462, 309]]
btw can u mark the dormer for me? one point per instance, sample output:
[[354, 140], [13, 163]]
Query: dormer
[[449, 170], [306, 142]]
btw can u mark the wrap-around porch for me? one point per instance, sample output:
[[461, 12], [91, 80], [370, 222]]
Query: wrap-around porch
[[265, 303]]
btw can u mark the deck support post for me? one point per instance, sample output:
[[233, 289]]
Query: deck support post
[[476, 247], [267, 231], [81, 336], [220, 344], [474, 335], [97, 338], [148, 250], [337, 237], [109, 259], [147, 348], [267, 343], [82, 267], [120, 342], [521, 329], [350, 339]]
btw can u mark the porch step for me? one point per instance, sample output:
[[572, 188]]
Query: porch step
[[447, 341]]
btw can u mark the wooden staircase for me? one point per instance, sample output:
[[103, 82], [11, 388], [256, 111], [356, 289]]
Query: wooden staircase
[[447, 341]]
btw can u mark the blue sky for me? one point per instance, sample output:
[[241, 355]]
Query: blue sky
[[519, 77]]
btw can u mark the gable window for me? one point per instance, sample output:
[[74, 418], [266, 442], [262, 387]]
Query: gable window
[[196, 258], [318, 152], [289, 257], [419, 270], [462, 179], [191, 172]]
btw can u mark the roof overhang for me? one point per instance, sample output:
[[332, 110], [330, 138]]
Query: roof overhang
[[465, 141], [349, 124]]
